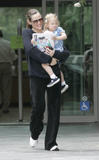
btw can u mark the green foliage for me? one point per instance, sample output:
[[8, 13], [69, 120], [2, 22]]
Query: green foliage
[[82, 2], [77, 23], [8, 19]]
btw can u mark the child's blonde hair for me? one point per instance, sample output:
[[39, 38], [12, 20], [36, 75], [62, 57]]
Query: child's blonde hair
[[48, 17]]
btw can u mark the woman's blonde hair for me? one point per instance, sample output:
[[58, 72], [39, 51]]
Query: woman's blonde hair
[[48, 17]]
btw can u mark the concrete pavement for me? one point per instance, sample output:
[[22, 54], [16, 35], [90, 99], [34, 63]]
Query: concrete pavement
[[76, 142]]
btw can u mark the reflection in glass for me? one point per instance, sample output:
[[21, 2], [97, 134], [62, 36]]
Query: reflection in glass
[[78, 69], [8, 24]]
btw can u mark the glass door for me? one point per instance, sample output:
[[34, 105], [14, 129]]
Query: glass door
[[8, 24], [77, 103]]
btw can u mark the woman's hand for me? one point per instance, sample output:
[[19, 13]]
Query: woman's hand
[[50, 52], [33, 42]]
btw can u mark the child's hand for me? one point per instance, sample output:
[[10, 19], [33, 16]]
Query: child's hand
[[54, 38]]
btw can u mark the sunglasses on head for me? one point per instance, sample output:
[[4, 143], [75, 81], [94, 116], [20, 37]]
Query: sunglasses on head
[[38, 20]]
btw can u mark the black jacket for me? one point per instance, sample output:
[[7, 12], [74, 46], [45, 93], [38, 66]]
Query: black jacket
[[35, 57]]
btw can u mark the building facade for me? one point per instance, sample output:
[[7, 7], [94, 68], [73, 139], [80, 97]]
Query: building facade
[[80, 103]]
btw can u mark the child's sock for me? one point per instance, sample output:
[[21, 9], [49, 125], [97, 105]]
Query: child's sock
[[53, 76], [63, 83]]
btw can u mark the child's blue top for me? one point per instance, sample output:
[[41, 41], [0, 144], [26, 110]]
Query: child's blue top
[[59, 43]]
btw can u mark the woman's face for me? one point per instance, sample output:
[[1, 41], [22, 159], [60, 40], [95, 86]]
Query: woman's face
[[37, 21]]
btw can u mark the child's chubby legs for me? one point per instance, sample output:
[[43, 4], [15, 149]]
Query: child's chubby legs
[[54, 78], [49, 70]]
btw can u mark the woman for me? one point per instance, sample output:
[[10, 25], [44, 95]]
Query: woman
[[38, 82]]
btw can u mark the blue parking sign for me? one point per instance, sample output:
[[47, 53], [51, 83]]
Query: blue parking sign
[[84, 105]]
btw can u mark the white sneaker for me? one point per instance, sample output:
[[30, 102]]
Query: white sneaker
[[33, 142], [64, 88], [53, 82], [54, 148]]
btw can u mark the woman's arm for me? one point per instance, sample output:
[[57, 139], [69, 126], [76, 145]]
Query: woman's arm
[[31, 51], [61, 56]]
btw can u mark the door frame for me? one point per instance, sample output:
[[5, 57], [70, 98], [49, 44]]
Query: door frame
[[96, 48]]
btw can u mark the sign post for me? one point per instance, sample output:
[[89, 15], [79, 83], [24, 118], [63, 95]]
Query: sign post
[[19, 41]]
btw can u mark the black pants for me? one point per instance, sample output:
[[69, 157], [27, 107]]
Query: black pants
[[37, 91]]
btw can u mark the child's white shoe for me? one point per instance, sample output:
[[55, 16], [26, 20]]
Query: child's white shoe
[[64, 88]]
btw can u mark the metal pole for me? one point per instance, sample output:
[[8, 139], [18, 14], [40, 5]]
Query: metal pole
[[56, 3], [19, 33], [43, 8]]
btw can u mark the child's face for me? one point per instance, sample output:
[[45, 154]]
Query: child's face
[[53, 24]]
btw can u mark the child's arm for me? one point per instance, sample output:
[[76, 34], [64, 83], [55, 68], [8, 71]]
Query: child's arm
[[63, 36]]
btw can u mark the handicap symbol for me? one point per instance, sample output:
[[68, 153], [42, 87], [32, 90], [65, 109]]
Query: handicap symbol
[[84, 105]]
